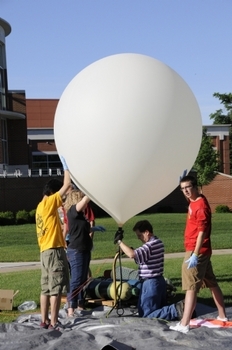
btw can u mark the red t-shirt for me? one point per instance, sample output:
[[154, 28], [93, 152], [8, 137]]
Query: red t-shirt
[[198, 219], [89, 213]]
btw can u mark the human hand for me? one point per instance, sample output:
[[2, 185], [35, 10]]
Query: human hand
[[118, 236], [98, 228], [184, 174], [193, 261], [64, 164]]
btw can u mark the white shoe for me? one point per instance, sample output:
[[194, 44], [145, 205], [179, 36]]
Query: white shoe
[[179, 328], [222, 319]]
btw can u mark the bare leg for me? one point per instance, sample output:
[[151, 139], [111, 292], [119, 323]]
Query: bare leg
[[189, 306], [44, 306], [219, 301], [70, 311], [55, 307]]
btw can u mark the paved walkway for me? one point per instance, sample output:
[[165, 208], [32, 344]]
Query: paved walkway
[[22, 266]]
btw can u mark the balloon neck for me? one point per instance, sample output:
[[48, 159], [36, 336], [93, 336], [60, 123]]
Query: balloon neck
[[119, 228]]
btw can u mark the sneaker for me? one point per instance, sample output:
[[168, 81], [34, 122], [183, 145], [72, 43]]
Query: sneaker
[[225, 319], [179, 328], [180, 309], [44, 325], [56, 327]]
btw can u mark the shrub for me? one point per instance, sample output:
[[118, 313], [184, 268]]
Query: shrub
[[32, 216], [7, 218], [22, 217], [222, 209]]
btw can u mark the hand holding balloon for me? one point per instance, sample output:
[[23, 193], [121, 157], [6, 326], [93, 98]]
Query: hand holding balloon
[[98, 228], [64, 164], [184, 174], [118, 236]]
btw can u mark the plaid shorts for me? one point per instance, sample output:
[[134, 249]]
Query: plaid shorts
[[54, 272], [200, 276]]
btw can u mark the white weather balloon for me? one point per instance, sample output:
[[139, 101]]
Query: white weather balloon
[[127, 125]]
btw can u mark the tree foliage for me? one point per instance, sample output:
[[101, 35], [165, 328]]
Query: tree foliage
[[207, 162], [224, 116]]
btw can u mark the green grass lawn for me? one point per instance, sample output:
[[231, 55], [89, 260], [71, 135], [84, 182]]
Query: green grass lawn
[[28, 282], [19, 243]]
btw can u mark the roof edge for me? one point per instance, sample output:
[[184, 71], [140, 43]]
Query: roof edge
[[6, 26]]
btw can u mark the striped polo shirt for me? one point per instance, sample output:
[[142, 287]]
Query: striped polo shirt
[[150, 258]]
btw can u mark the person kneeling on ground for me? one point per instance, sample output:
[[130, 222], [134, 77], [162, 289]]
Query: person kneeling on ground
[[150, 258]]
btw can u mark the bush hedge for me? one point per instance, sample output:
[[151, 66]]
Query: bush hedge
[[7, 218], [22, 217], [32, 216], [222, 209], [19, 218], [28, 217]]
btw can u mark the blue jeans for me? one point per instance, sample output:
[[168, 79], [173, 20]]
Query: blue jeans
[[79, 266], [152, 295], [168, 313], [152, 299]]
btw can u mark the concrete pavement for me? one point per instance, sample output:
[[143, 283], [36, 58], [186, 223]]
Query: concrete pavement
[[22, 266]]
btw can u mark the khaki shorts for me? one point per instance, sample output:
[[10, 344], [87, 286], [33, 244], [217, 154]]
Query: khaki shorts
[[54, 272], [200, 276]]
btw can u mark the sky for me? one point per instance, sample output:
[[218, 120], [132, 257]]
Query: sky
[[53, 40]]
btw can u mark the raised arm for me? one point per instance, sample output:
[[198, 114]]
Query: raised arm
[[67, 179], [80, 206]]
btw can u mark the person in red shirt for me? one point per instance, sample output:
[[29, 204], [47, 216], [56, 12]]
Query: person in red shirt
[[197, 269], [89, 214]]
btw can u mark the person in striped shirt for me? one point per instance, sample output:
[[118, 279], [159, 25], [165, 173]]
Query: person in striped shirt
[[150, 258]]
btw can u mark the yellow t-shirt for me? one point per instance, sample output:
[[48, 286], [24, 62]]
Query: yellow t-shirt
[[48, 227]]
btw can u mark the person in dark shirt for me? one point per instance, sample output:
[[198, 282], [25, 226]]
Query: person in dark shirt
[[79, 248]]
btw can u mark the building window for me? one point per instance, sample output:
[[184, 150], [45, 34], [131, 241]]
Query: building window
[[46, 161], [3, 140], [2, 90]]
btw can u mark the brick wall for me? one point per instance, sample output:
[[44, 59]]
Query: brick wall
[[219, 191], [25, 193], [42, 146], [21, 193], [41, 112]]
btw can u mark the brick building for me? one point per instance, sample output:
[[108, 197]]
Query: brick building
[[40, 119], [219, 191], [28, 153], [41, 143]]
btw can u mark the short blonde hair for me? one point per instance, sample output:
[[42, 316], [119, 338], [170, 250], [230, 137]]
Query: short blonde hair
[[73, 197]]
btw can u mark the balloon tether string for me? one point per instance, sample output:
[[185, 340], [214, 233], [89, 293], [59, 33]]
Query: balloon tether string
[[118, 302]]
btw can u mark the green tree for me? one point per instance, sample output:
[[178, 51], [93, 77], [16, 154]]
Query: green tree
[[224, 116], [207, 162]]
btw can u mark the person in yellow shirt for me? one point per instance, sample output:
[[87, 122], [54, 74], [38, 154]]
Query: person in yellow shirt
[[54, 265]]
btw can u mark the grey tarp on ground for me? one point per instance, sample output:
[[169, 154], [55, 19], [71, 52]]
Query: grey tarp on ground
[[94, 331]]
